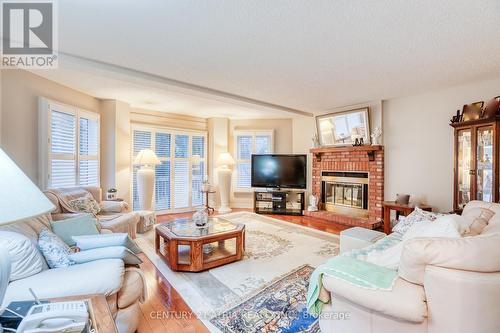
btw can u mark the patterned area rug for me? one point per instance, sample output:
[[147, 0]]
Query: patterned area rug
[[279, 307], [274, 249]]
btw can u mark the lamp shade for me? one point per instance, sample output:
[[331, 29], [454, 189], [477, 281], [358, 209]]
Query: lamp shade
[[147, 157], [225, 159], [19, 197]]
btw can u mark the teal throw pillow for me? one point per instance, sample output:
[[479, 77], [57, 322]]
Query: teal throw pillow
[[81, 225]]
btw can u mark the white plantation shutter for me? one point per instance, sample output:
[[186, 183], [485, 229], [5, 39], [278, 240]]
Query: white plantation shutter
[[248, 143], [72, 155], [162, 176], [198, 171], [181, 172], [141, 140], [62, 149], [177, 180], [89, 151]]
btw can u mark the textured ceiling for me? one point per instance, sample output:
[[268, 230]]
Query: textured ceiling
[[308, 55]]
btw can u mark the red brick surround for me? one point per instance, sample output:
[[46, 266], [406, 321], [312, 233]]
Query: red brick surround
[[364, 159]]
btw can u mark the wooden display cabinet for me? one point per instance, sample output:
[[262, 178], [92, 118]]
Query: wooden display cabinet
[[476, 161]]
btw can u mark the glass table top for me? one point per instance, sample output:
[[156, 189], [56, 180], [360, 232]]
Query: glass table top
[[186, 227]]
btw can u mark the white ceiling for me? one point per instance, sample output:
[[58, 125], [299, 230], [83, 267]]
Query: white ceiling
[[307, 55]]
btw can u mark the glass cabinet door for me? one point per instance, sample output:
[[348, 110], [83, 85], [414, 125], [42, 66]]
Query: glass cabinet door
[[484, 161], [463, 167]]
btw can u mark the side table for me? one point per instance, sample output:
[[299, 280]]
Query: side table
[[404, 209], [207, 206]]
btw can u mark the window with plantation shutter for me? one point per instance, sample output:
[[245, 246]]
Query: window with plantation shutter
[[198, 170], [179, 177], [248, 143], [141, 140], [69, 146], [89, 150]]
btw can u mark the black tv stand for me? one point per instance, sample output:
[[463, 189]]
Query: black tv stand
[[279, 202]]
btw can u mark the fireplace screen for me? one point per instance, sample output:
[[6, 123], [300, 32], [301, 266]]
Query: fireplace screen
[[345, 192]]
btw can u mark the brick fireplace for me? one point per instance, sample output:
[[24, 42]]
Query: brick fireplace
[[349, 181]]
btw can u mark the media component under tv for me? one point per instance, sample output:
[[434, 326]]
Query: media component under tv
[[279, 171]]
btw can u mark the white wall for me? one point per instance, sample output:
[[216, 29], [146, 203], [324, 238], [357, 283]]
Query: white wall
[[419, 141], [115, 147]]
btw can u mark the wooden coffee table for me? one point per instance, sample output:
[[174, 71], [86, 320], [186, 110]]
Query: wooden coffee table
[[186, 247]]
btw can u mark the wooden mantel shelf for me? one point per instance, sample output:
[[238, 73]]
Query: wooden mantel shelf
[[369, 149]]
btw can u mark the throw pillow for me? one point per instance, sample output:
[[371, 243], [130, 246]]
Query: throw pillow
[[416, 216], [83, 224], [25, 258], [106, 240], [478, 219], [112, 252], [444, 226], [85, 204], [55, 251]]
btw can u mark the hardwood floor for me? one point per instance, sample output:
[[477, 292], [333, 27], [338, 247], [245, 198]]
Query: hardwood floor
[[166, 311]]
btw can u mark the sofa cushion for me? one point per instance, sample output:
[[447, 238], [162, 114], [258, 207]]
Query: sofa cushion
[[478, 218], [86, 204], [96, 277], [416, 216], [405, 301], [111, 252], [54, 250], [79, 225], [24, 257]]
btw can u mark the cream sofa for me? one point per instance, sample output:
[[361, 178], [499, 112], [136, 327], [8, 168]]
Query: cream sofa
[[124, 287], [114, 216], [445, 285]]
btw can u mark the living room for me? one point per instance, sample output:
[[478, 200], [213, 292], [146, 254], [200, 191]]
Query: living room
[[250, 166]]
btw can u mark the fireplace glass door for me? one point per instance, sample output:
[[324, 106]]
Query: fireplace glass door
[[344, 194]]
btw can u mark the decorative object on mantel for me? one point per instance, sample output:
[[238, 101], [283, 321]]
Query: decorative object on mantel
[[315, 140], [477, 111], [313, 203], [376, 135], [343, 128], [358, 142]]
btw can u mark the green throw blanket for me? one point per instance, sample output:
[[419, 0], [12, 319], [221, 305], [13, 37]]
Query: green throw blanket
[[357, 272]]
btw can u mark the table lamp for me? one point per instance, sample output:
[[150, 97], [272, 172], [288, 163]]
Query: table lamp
[[224, 172], [19, 199], [147, 159]]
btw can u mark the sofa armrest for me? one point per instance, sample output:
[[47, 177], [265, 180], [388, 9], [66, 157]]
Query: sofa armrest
[[96, 277], [476, 254], [113, 207], [406, 301], [462, 301]]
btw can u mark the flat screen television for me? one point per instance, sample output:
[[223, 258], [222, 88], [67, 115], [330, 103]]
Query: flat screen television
[[279, 171]]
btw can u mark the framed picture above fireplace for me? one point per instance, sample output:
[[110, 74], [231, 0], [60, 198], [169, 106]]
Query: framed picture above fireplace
[[343, 128]]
